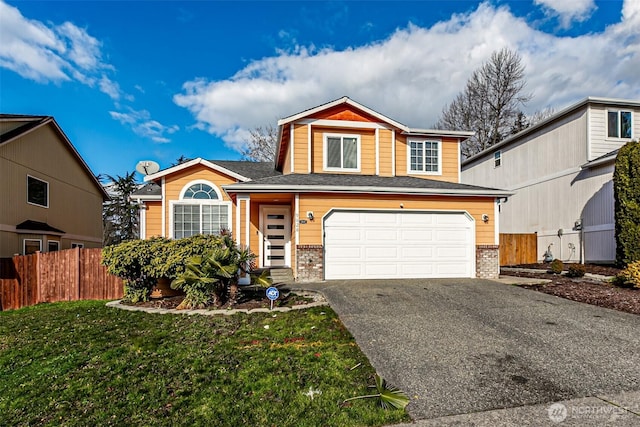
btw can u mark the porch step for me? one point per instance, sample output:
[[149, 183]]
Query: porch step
[[281, 275]]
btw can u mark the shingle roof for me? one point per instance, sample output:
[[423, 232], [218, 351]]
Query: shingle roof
[[37, 226], [151, 189], [253, 170], [360, 183]]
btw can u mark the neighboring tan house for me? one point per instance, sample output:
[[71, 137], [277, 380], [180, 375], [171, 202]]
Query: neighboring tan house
[[353, 194], [49, 198], [561, 173]]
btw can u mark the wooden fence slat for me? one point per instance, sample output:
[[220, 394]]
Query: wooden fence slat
[[69, 275], [518, 249]]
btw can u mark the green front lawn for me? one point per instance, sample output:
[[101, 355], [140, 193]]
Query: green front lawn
[[81, 363]]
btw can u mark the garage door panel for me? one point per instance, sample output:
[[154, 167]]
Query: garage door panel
[[410, 253], [381, 253], [416, 235], [452, 235], [406, 244], [381, 234]]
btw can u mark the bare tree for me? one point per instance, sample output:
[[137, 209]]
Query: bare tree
[[261, 144], [490, 103]]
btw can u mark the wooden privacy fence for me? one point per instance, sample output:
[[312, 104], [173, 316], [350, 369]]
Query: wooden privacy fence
[[69, 275], [518, 249]]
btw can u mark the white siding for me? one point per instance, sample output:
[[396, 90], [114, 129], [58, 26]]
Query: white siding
[[551, 191], [600, 143]]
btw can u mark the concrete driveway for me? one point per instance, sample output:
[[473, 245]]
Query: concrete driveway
[[468, 345]]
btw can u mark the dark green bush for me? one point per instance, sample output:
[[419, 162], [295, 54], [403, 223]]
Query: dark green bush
[[140, 263], [556, 266], [576, 270], [131, 261], [626, 187]]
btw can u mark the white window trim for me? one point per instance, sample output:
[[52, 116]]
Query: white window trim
[[499, 158], [326, 136], [619, 130], [173, 203], [24, 244], [412, 172], [200, 181], [42, 180], [57, 242]]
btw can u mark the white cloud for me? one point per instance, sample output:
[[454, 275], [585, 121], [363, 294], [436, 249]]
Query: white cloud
[[53, 53], [568, 11], [141, 123], [414, 73]]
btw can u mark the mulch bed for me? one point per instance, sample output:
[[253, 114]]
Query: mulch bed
[[249, 300], [602, 294]]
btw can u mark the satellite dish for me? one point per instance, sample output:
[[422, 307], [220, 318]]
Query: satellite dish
[[147, 167]]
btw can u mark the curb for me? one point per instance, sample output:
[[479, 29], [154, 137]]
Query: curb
[[319, 300]]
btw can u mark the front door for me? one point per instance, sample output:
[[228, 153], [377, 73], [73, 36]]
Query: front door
[[276, 233]]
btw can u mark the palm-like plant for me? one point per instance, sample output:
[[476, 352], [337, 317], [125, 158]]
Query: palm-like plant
[[208, 278], [388, 396]]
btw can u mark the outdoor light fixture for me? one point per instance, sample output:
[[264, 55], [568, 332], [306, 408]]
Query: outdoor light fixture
[[310, 215], [485, 217]]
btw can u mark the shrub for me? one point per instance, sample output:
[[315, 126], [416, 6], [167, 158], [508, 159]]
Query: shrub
[[171, 257], [630, 276], [557, 266], [576, 270], [131, 261], [626, 191]]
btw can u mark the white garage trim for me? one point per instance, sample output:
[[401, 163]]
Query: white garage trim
[[398, 243]]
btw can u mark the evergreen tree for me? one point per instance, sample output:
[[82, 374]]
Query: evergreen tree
[[120, 216], [626, 187]]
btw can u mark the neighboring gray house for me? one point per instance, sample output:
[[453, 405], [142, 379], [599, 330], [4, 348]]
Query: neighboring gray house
[[561, 173]]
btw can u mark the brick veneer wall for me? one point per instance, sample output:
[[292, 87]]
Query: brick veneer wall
[[309, 263], [487, 261]]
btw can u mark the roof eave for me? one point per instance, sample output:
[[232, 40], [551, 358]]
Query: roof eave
[[193, 162], [248, 188]]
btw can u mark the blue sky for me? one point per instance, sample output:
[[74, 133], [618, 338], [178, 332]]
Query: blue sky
[[154, 80]]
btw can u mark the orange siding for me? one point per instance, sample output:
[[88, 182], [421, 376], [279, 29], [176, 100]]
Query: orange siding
[[153, 219], [450, 168], [320, 204], [385, 141], [344, 112], [176, 182], [367, 144], [301, 148]]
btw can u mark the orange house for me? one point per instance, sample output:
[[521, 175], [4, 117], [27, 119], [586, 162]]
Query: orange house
[[352, 194]]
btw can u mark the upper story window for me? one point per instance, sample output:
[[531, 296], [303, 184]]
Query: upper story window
[[200, 191], [425, 156], [619, 124], [497, 159], [200, 210], [37, 192], [342, 152]]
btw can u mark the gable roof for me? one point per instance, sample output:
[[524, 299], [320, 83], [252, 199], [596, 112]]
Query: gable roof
[[35, 122], [591, 100], [285, 123], [240, 170], [346, 183]]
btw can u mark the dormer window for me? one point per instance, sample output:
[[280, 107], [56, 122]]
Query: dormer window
[[619, 124], [342, 152], [425, 156]]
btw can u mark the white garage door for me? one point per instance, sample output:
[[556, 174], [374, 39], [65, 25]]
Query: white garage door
[[407, 244]]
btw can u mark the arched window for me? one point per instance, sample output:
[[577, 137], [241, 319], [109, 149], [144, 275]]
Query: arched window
[[200, 210], [200, 191]]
